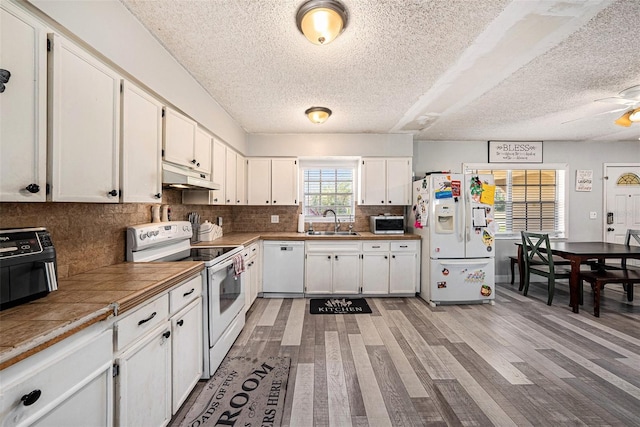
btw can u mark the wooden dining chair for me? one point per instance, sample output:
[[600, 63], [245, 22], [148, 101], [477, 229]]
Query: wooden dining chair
[[627, 275], [538, 260]]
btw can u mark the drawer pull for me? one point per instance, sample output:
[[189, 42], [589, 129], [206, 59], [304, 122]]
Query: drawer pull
[[31, 398], [376, 246], [180, 322], [147, 319], [188, 293], [403, 246], [167, 334]]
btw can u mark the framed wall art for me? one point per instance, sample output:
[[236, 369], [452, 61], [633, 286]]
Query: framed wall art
[[515, 151]]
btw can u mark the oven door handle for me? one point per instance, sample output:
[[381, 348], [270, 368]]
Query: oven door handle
[[221, 266]]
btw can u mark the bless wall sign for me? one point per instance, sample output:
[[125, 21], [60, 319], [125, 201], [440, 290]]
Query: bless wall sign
[[515, 151]]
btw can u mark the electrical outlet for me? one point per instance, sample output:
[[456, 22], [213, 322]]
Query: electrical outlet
[[275, 219], [593, 215]]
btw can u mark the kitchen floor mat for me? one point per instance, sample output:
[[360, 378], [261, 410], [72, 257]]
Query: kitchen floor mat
[[338, 306], [245, 391]]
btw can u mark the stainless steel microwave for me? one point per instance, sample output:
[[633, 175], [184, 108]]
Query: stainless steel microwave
[[387, 224]]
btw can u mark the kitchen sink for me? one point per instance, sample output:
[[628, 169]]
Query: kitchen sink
[[332, 233]]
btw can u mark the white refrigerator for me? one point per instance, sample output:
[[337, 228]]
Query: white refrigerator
[[454, 214]]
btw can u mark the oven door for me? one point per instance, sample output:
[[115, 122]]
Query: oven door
[[226, 298]]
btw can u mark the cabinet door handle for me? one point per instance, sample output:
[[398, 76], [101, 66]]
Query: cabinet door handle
[[389, 201], [189, 293], [194, 161], [382, 201], [328, 256], [32, 188], [274, 202], [31, 398], [180, 322], [336, 257], [167, 334], [113, 193], [393, 256], [147, 319], [386, 257], [158, 196]]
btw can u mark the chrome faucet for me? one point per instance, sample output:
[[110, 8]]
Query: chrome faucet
[[336, 221]]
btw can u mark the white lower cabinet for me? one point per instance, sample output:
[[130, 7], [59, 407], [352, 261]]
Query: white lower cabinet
[[404, 271], [67, 384], [252, 274], [375, 268], [143, 383], [143, 363], [186, 356], [332, 267], [158, 355], [390, 267]]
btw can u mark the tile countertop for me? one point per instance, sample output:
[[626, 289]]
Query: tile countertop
[[248, 238], [83, 300]]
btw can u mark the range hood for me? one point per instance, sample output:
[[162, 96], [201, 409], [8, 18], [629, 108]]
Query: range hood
[[182, 178]]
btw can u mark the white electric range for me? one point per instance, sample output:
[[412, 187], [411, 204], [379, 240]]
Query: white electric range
[[223, 293]]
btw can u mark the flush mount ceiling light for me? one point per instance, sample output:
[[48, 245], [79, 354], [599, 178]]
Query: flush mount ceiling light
[[318, 115], [321, 21]]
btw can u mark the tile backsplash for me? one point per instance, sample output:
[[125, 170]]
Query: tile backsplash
[[91, 235]]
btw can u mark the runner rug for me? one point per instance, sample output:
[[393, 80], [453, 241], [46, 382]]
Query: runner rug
[[339, 306], [245, 391]]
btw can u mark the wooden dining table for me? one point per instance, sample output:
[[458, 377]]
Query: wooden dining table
[[579, 253]]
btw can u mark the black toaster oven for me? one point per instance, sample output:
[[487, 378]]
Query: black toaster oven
[[27, 265]]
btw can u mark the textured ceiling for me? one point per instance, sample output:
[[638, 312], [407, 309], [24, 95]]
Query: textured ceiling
[[439, 69]]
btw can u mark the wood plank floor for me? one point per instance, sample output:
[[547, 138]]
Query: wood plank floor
[[516, 363]]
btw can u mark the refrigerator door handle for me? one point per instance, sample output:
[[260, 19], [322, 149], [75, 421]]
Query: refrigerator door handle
[[466, 262], [460, 227]]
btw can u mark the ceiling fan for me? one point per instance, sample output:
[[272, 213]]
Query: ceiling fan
[[630, 98]]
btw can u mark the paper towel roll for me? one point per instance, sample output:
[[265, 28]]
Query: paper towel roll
[[301, 223]]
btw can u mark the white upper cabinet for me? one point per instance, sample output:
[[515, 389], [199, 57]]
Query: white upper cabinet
[[23, 125], [385, 181], [202, 151], [141, 146], [179, 138], [284, 181], [259, 181], [84, 126], [373, 182], [231, 166], [272, 181], [185, 143], [241, 180], [218, 175], [399, 181]]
